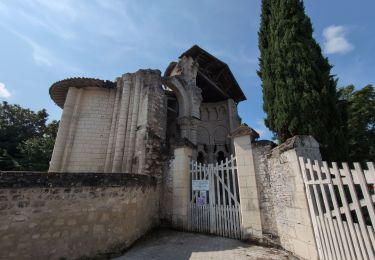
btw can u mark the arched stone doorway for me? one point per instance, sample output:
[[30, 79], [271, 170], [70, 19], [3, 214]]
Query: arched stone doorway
[[180, 78]]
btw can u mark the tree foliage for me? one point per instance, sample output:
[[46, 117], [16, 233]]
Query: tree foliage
[[26, 140], [299, 92], [359, 110]]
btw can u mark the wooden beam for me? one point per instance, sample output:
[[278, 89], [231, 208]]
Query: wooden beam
[[213, 84], [221, 71]]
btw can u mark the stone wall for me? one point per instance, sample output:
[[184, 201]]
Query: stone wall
[[261, 150], [71, 215], [121, 128], [84, 130], [86, 148], [283, 204]]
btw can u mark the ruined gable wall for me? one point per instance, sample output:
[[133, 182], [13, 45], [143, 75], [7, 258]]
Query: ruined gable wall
[[154, 148], [120, 129], [140, 123]]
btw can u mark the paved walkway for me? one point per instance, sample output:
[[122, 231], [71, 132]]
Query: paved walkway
[[168, 245]]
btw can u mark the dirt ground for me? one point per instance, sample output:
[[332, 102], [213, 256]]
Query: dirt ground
[[167, 244]]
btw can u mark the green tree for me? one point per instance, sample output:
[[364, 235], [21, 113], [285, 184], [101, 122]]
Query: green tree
[[7, 162], [36, 152], [359, 109], [299, 92], [26, 141]]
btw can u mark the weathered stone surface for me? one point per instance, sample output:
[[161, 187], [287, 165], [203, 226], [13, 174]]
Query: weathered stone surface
[[180, 187], [69, 180], [251, 225], [283, 204], [182, 80], [244, 129], [75, 222], [217, 121], [108, 129]]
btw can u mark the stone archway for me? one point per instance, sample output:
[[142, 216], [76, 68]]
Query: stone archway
[[182, 97], [181, 77]]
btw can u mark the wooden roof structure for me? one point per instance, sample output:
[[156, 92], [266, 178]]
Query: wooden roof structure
[[214, 77]]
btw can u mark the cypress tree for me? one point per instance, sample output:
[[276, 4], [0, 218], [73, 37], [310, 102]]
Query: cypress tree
[[299, 92]]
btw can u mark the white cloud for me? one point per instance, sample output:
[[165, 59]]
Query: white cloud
[[335, 40], [261, 128], [40, 54], [4, 92]]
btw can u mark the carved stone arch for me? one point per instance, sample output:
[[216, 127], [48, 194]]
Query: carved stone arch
[[181, 78], [181, 95]]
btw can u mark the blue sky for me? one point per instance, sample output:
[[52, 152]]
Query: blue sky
[[43, 41]]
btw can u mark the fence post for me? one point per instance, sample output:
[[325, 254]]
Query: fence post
[[251, 225], [181, 186]]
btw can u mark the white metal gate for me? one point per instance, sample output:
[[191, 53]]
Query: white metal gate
[[341, 202], [214, 199]]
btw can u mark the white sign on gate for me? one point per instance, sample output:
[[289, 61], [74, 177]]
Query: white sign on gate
[[200, 185]]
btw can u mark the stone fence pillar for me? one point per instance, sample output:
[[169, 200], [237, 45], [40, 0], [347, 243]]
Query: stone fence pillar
[[249, 199], [181, 186]]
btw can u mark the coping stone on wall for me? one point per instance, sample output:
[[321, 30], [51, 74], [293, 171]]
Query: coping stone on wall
[[242, 130], [262, 143], [298, 141], [23, 179]]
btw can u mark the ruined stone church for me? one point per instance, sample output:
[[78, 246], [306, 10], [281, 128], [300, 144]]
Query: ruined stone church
[[133, 124], [150, 150]]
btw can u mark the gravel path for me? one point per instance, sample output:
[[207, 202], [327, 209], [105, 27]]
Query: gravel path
[[166, 244]]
